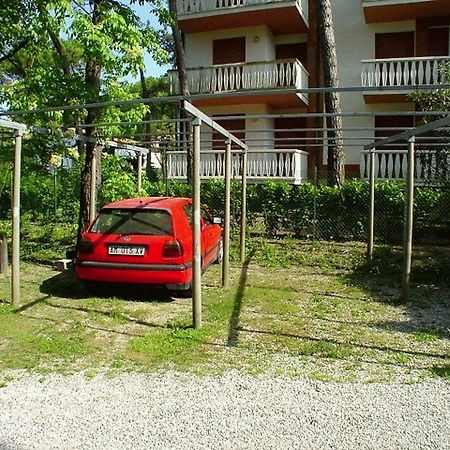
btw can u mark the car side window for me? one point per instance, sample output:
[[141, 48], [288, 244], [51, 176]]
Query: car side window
[[188, 212], [206, 216]]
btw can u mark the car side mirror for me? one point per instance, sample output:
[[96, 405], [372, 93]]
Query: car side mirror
[[217, 220]]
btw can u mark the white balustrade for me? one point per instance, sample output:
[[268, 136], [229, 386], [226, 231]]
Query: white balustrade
[[431, 166], [287, 165], [188, 7], [403, 71], [235, 77]]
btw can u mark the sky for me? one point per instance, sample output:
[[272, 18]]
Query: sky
[[151, 68]]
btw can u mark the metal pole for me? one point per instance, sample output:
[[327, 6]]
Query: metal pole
[[409, 204], [139, 173], [371, 205], [196, 253], [15, 285], [226, 225], [93, 202], [243, 204]]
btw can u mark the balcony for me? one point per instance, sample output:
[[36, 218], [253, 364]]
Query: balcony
[[430, 166], [376, 11], [248, 77], [401, 72], [281, 16], [282, 165]]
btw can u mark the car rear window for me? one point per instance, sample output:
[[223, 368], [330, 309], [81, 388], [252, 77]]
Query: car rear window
[[132, 221]]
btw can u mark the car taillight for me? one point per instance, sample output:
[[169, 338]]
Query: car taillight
[[173, 249], [85, 246]]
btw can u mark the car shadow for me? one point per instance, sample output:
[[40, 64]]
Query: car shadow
[[66, 285]]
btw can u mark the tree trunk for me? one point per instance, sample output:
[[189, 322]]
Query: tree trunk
[[92, 80], [336, 153], [185, 127]]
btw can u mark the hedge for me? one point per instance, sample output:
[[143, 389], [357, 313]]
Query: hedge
[[274, 208]]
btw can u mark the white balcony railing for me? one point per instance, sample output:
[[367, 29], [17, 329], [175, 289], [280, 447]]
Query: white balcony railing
[[188, 7], [287, 165], [431, 166], [245, 76], [403, 71]]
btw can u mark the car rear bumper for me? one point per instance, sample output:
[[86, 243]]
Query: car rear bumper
[[158, 274]]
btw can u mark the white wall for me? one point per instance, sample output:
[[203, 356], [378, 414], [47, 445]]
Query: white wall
[[355, 41], [259, 139], [259, 40]]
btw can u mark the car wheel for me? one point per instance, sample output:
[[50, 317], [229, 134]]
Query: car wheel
[[219, 257], [183, 293], [94, 288]]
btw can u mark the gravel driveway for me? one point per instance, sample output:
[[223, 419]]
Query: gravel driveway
[[176, 411]]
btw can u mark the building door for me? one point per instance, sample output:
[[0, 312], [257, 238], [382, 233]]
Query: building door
[[227, 52], [291, 51], [391, 165], [394, 45], [237, 128], [438, 41]]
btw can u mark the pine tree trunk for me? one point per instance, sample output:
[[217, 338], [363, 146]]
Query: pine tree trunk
[[185, 127], [336, 153]]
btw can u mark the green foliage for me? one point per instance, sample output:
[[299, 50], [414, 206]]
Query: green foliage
[[118, 180]]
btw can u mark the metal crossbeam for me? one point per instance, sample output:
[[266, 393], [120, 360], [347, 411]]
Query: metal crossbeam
[[191, 109], [408, 134]]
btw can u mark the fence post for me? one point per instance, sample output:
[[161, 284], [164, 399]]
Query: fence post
[[243, 203], [15, 284], [3, 254], [408, 230], [139, 173], [93, 187], [226, 225], [197, 256], [371, 204]]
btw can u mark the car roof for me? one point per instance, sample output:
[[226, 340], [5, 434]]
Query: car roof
[[149, 203]]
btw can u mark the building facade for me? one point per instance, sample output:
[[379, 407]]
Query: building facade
[[251, 59]]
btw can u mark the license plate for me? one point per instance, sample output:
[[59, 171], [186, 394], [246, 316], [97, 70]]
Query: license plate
[[126, 250]]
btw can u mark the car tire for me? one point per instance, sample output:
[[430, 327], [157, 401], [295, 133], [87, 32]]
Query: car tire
[[94, 288], [183, 293], [219, 257]]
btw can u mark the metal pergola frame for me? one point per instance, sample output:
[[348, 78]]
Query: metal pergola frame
[[19, 129], [198, 118], [410, 137]]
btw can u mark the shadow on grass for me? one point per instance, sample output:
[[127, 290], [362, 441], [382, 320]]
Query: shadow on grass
[[429, 305], [338, 343], [65, 285], [233, 327], [442, 371]]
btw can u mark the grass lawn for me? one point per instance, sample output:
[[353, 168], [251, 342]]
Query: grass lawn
[[294, 309]]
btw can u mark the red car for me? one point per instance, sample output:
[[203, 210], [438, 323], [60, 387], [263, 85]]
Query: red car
[[148, 241]]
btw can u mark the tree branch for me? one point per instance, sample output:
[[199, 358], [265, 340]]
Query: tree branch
[[13, 51]]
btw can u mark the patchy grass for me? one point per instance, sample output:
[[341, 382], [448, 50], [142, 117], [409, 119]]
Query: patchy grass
[[294, 309]]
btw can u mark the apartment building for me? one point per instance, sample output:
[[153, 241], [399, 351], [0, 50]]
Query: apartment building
[[249, 58]]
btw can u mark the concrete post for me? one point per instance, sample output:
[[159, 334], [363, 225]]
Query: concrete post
[[4, 263], [408, 231], [15, 284], [226, 225], [197, 255], [243, 204], [371, 205], [139, 173]]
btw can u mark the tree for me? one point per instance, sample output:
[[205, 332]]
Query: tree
[[336, 153], [72, 52], [185, 128]]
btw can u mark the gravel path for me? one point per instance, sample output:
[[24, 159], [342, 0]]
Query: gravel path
[[176, 411]]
